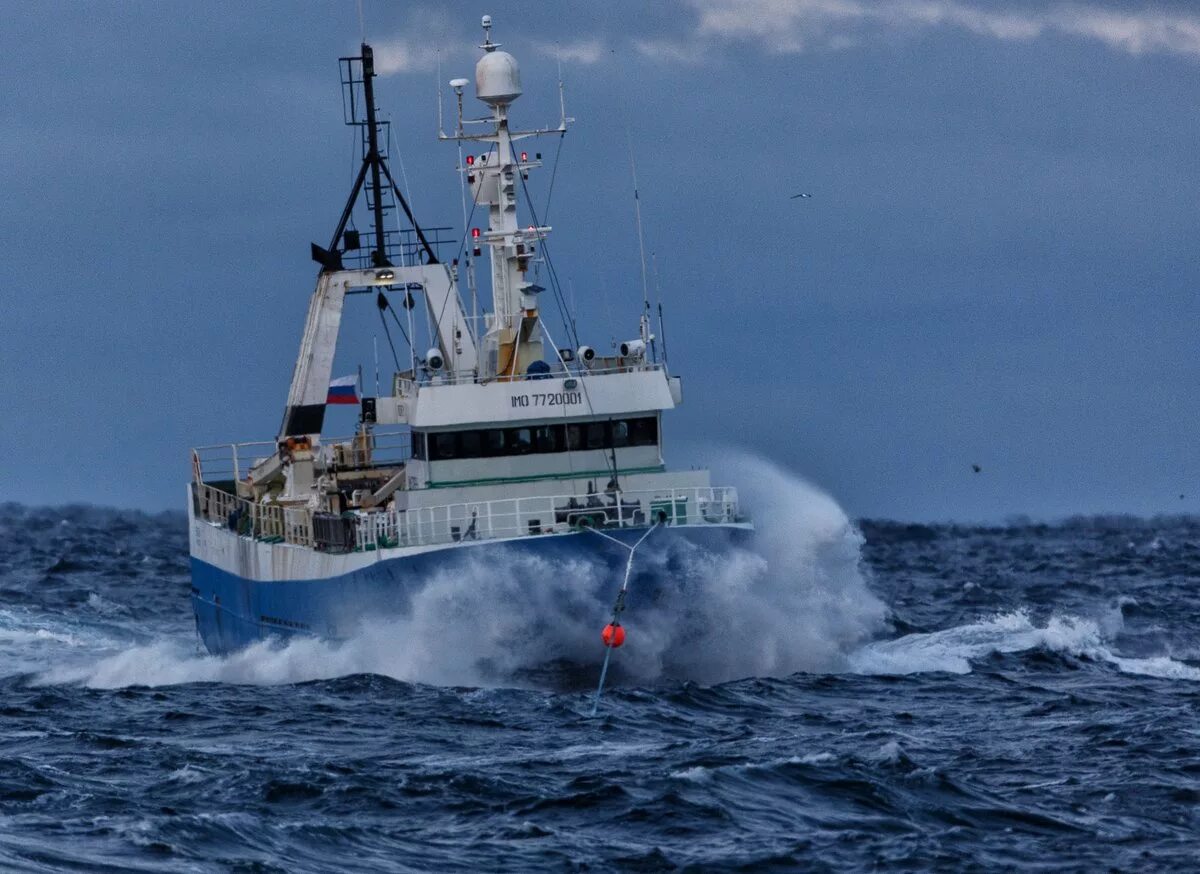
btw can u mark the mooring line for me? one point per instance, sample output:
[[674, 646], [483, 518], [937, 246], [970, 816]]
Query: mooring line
[[613, 634]]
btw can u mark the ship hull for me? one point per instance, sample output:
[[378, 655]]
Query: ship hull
[[244, 592]]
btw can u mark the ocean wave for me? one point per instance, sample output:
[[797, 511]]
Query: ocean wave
[[953, 650], [1042, 715], [798, 602]]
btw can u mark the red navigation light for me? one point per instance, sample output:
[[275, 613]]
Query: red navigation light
[[532, 229], [475, 233], [470, 160], [524, 156]]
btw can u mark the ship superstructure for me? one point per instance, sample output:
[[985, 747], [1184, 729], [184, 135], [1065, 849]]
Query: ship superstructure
[[498, 437]]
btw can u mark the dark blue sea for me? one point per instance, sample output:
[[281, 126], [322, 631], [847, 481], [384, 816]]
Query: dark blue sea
[[849, 697]]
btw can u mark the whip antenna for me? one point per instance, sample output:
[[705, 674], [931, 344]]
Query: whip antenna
[[637, 212]]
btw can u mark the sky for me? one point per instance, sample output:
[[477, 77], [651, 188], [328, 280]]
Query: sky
[[998, 264]]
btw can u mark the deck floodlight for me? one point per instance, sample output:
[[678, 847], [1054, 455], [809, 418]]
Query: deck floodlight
[[633, 349]]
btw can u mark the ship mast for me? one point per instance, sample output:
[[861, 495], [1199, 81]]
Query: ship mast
[[375, 163], [512, 342], [373, 156]]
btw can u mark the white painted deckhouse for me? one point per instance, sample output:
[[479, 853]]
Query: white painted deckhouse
[[498, 436]]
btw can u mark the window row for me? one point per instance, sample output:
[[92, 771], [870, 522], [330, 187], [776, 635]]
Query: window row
[[496, 442]]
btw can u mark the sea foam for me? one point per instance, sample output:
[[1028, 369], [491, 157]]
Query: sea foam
[[797, 600]]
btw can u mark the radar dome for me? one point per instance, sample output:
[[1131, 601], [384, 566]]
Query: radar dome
[[497, 78]]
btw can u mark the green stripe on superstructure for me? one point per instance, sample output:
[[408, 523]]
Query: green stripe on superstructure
[[659, 468]]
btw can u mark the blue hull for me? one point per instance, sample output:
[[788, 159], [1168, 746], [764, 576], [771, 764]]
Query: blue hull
[[233, 612]]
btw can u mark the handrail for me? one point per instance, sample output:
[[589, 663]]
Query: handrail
[[223, 462], [367, 530], [404, 383], [249, 518]]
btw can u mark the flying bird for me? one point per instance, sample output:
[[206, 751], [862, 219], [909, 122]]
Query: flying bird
[[976, 468], [794, 196]]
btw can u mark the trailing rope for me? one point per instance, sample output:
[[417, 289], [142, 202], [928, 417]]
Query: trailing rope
[[614, 635]]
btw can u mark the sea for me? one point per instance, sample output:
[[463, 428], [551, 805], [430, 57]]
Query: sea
[[840, 695]]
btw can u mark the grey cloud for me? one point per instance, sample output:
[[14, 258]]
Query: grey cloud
[[788, 26], [585, 51]]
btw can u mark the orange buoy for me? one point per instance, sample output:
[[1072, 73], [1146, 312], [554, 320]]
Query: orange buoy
[[613, 635]]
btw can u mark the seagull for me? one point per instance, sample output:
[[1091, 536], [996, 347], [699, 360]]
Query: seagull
[[976, 468], [794, 196]]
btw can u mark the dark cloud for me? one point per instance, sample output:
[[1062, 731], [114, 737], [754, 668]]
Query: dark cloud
[[997, 265]]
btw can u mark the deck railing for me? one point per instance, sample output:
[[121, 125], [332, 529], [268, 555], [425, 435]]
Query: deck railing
[[405, 384], [365, 530], [268, 522], [226, 462]]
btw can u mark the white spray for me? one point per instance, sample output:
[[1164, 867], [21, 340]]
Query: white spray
[[796, 601]]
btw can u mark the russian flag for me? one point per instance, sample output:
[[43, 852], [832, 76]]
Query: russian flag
[[343, 390]]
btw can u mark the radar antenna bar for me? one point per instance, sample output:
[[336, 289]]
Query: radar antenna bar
[[375, 163]]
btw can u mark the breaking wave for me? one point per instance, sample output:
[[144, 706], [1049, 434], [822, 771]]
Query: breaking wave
[[954, 649], [797, 601]]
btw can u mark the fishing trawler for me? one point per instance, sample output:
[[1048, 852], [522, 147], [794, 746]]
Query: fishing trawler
[[496, 440]]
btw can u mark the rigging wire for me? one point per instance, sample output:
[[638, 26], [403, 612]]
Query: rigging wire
[[562, 135], [552, 274], [553, 176], [388, 334], [396, 318], [565, 411], [611, 464], [556, 288], [463, 243], [403, 174]]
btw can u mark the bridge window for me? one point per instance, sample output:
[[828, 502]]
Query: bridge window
[[643, 431], [470, 444], [493, 442], [597, 435], [542, 439], [546, 438], [520, 441], [444, 446]]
